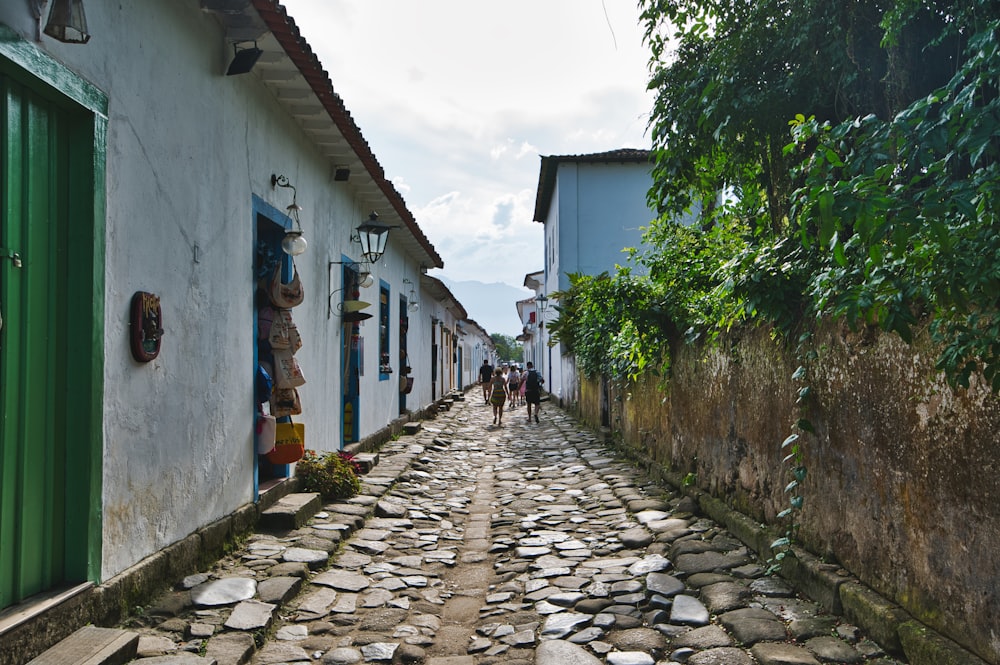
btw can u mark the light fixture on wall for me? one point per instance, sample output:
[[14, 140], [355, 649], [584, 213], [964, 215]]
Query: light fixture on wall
[[293, 243], [411, 301], [542, 302], [372, 235], [243, 59], [67, 22]]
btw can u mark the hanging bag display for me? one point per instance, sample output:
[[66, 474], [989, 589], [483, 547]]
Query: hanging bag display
[[283, 333], [289, 443], [266, 430], [285, 296], [287, 373], [285, 402]]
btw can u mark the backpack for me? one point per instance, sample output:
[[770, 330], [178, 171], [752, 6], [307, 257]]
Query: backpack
[[533, 382]]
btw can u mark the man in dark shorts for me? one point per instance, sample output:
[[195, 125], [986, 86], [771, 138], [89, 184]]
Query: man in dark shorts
[[485, 374], [533, 390]]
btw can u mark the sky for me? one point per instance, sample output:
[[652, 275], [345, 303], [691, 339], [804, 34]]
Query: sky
[[458, 99]]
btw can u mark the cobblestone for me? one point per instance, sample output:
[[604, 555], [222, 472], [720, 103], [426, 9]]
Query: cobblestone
[[473, 544]]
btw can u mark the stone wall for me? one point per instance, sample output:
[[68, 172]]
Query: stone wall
[[902, 487]]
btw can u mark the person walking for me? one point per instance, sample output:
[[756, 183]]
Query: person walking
[[514, 385], [533, 391], [499, 394], [485, 374]]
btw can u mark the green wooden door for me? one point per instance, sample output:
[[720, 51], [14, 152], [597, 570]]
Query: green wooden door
[[49, 361]]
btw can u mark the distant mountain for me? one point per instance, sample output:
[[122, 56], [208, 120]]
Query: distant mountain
[[493, 306]]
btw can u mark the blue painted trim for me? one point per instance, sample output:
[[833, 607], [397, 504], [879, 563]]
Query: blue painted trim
[[382, 284]]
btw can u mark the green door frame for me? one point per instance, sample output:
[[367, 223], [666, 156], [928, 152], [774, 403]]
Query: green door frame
[[68, 219]]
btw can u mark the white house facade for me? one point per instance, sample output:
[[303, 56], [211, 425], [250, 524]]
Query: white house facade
[[152, 172], [593, 207]]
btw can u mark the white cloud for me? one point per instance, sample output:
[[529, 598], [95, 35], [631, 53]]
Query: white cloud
[[457, 99]]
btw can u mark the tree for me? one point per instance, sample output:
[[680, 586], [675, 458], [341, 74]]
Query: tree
[[507, 347], [846, 159]]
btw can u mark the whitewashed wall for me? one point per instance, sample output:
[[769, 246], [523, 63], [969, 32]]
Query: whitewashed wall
[[188, 148]]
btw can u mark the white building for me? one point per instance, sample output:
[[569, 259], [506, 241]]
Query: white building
[[593, 207], [163, 162]]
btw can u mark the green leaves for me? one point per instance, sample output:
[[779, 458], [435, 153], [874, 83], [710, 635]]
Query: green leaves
[[617, 326]]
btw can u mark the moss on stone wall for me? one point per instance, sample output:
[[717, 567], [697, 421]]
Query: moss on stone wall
[[903, 485]]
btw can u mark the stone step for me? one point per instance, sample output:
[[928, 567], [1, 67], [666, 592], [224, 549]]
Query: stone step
[[291, 511], [92, 645], [411, 427], [366, 461]]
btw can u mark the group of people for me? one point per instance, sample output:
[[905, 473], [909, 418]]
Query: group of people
[[508, 385]]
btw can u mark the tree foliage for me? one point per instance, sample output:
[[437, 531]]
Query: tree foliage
[[844, 157], [507, 348]]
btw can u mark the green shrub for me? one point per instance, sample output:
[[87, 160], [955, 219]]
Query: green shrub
[[332, 475]]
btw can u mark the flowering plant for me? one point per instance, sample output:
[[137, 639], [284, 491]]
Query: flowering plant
[[334, 475]]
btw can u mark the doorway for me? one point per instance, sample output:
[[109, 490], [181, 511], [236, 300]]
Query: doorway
[[268, 258], [351, 353], [52, 154]]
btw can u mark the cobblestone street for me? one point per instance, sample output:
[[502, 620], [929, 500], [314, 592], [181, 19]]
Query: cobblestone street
[[520, 544]]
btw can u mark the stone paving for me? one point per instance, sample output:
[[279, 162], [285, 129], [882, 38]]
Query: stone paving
[[473, 544]]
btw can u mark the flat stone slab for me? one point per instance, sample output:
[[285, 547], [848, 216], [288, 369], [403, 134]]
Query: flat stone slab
[[774, 653], [227, 591], [643, 505], [318, 602], [722, 656], [342, 580], [277, 652], [751, 625], [689, 611], [179, 659], [647, 516], [312, 558], [230, 648], [251, 615], [663, 584], [831, 650], [379, 651], [108, 646], [278, 590], [630, 658], [707, 637], [724, 596], [291, 511], [706, 562], [562, 624], [651, 563]]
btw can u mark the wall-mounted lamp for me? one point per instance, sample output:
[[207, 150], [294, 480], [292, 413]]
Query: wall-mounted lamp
[[411, 301], [67, 22], [542, 302], [293, 243], [372, 235], [243, 59]]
